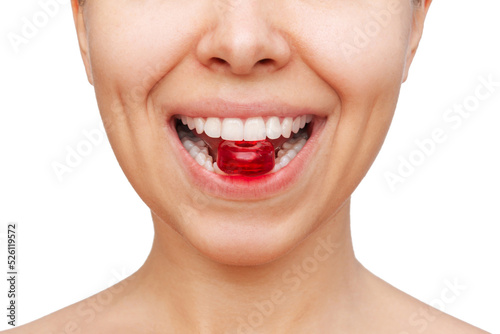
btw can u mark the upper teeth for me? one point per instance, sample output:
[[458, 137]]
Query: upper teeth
[[250, 129]]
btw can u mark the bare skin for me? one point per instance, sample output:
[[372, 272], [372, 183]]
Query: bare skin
[[217, 297], [274, 263]]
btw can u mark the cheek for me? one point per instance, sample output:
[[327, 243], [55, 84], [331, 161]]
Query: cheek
[[357, 49], [360, 53], [134, 45]]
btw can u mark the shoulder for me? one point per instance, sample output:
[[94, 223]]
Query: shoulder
[[404, 314], [94, 314], [67, 320], [428, 319]]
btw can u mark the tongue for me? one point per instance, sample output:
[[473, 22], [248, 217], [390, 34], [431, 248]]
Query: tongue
[[247, 158]]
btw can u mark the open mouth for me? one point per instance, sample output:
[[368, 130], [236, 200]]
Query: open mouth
[[202, 137]]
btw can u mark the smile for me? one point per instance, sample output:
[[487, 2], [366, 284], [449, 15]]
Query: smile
[[201, 137], [197, 128]]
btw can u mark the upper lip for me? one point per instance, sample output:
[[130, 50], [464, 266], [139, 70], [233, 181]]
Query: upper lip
[[224, 108]]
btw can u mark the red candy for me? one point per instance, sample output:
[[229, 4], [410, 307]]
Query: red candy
[[248, 158]]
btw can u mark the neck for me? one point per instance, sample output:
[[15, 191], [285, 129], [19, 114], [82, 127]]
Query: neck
[[192, 293]]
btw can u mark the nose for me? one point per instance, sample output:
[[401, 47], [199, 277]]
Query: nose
[[243, 39]]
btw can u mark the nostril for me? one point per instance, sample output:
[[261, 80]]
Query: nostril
[[222, 61], [265, 61], [240, 68], [219, 61]]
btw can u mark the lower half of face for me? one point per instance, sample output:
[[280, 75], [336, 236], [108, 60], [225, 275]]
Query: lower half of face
[[317, 81]]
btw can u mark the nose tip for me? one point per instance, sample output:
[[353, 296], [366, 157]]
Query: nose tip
[[243, 42]]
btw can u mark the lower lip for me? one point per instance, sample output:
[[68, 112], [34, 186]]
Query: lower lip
[[244, 188]]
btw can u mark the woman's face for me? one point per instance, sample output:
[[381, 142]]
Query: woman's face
[[154, 61]]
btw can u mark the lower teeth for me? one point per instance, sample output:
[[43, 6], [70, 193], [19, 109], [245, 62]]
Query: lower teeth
[[198, 150]]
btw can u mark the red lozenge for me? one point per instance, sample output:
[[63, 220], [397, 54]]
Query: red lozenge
[[247, 158]]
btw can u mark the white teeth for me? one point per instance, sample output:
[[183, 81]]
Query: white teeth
[[287, 145], [276, 168], [251, 129], [200, 143], [198, 150], [297, 147], [201, 158], [303, 121], [273, 128], [289, 151], [237, 129], [213, 127], [209, 165], [286, 127], [190, 124], [255, 129], [200, 124], [232, 129], [188, 144], [296, 125], [291, 154], [217, 169], [194, 151], [285, 160], [204, 150]]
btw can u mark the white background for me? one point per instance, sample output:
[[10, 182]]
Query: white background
[[81, 235]]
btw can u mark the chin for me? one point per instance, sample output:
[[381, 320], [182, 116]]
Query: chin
[[242, 241]]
